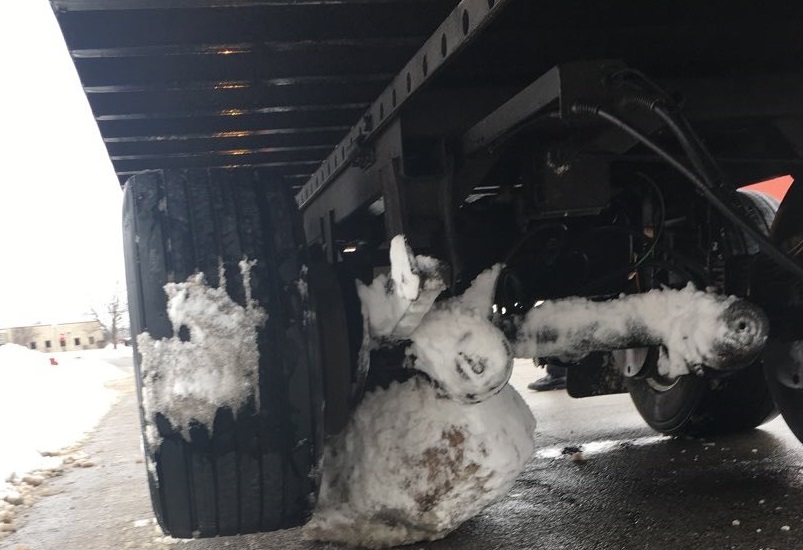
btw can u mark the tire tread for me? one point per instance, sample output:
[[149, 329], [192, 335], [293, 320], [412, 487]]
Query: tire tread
[[254, 471]]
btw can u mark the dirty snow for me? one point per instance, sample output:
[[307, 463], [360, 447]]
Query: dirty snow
[[421, 457], [394, 305], [688, 322], [218, 365], [594, 448], [459, 348], [413, 466], [454, 341], [46, 408]]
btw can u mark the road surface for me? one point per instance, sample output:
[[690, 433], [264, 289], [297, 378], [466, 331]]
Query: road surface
[[634, 490]]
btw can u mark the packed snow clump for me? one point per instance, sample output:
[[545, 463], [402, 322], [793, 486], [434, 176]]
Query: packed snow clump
[[413, 466], [453, 342], [190, 376], [691, 325], [421, 457], [459, 348], [393, 305]]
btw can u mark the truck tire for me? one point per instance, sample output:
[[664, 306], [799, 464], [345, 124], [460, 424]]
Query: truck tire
[[783, 355], [698, 406], [252, 469], [707, 406], [783, 380]]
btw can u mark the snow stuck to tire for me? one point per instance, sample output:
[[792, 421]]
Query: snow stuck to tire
[[212, 361]]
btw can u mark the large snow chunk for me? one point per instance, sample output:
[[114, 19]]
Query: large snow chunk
[[466, 355], [212, 361], [394, 306], [694, 328], [413, 465], [459, 348], [420, 458]]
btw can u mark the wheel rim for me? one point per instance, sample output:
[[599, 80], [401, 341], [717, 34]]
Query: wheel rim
[[661, 383]]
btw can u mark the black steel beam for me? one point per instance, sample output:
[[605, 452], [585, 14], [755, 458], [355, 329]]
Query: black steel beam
[[461, 26], [222, 161], [242, 64], [535, 98], [241, 48], [280, 169], [106, 27], [107, 5], [554, 93], [243, 140], [277, 156], [198, 122], [232, 96]]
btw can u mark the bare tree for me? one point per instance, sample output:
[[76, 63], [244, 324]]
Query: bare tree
[[23, 335], [113, 317]]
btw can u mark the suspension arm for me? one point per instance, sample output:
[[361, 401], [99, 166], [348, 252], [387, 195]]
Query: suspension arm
[[692, 328]]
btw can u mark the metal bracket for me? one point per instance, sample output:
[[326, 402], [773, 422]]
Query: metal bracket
[[461, 27], [554, 93]]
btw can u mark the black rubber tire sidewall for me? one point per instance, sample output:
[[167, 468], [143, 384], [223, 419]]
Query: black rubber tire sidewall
[[254, 470], [788, 400], [702, 406], [699, 407]]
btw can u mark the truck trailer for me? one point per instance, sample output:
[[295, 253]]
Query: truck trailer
[[599, 153]]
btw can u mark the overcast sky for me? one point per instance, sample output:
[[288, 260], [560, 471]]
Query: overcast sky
[[60, 235]]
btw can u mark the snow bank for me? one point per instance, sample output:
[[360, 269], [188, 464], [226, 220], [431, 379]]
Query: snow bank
[[45, 408], [413, 466], [215, 364], [105, 353]]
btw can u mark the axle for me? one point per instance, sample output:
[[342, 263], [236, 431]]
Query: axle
[[692, 328]]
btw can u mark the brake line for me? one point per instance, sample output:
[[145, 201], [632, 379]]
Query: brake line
[[768, 247]]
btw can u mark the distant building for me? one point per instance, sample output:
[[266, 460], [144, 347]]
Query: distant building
[[52, 338]]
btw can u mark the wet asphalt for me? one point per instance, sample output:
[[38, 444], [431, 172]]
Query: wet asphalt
[[631, 490]]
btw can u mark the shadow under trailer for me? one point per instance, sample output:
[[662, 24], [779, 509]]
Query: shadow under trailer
[[329, 199]]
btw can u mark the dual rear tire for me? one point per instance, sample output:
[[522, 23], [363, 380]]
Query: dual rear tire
[[704, 406], [253, 469], [713, 404]]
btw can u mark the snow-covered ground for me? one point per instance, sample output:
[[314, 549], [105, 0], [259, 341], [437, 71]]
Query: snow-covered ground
[[45, 408]]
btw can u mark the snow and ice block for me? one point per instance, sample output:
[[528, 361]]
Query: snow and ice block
[[413, 465], [421, 457], [694, 328], [216, 364], [454, 341], [394, 306], [459, 348]]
